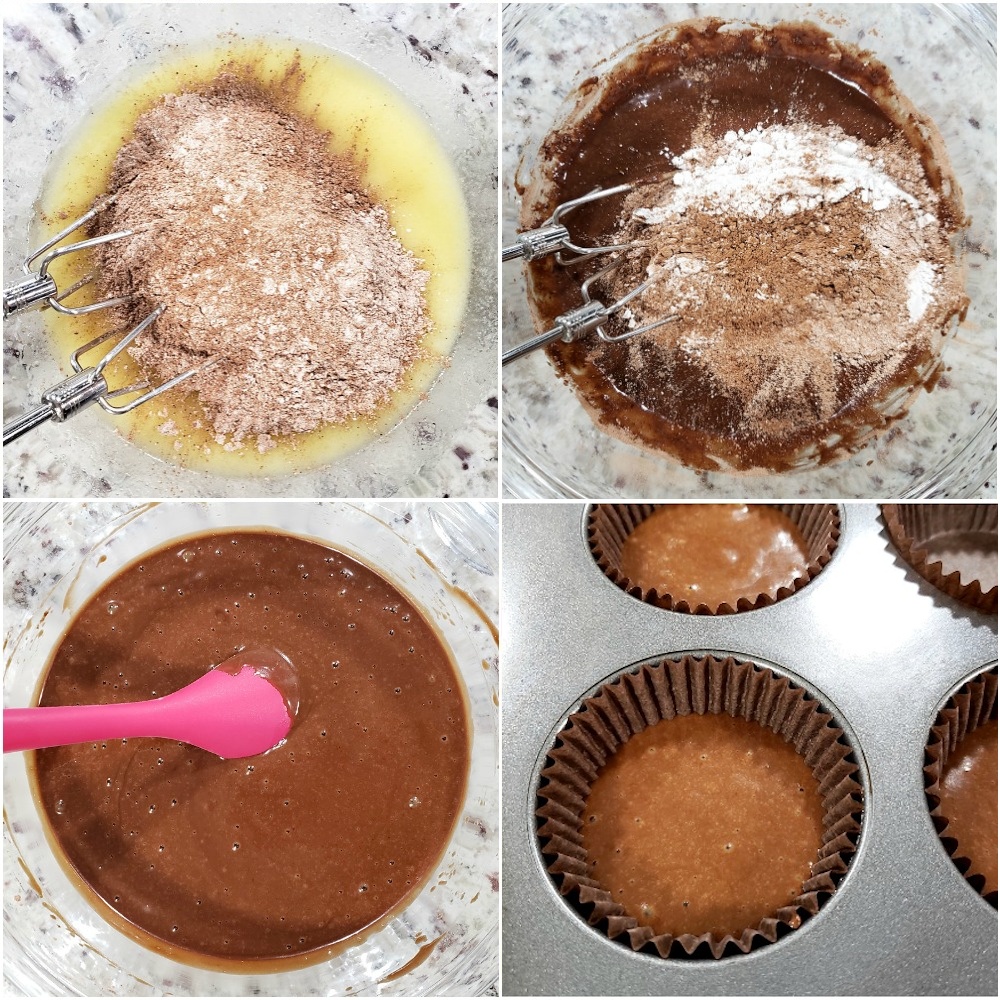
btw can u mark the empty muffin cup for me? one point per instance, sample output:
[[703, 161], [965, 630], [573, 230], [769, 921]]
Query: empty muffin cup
[[960, 779], [712, 558], [699, 807], [953, 546]]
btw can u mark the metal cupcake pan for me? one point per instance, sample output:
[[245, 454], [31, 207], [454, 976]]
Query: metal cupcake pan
[[883, 650]]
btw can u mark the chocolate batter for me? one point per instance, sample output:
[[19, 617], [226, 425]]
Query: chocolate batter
[[705, 81], [285, 854], [714, 554], [968, 792], [972, 553], [704, 824]]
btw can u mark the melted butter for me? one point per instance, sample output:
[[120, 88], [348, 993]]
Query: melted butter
[[401, 163]]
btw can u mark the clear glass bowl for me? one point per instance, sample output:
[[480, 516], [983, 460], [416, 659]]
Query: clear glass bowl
[[943, 57], [444, 556], [62, 61]]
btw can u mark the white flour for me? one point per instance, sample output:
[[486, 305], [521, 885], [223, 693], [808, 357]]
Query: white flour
[[920, 290], [789, 169], [781, 168]]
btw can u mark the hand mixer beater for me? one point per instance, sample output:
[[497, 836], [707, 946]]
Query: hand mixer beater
[[552, 237], [88, 384]]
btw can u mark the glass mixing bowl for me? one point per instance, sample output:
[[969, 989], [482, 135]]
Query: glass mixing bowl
[[61, 62], [943, 57], [444, 556]]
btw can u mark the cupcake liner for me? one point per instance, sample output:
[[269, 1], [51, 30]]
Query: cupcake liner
[[972, 705], [608, 525], [635, 700], [910, 526]]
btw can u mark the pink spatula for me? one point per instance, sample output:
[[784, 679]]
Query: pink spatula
[[242, 707]]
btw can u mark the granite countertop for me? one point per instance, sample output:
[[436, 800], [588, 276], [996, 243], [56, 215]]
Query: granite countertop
[[551, 446], [448, 445]]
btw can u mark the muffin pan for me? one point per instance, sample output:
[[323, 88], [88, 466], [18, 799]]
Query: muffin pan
[[879, 646]]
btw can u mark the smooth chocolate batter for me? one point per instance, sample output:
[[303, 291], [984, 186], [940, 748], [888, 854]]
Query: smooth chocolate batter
[[704, 824], [284, 854], [709, 81], [972, 553], [968, 792], [713, 553]]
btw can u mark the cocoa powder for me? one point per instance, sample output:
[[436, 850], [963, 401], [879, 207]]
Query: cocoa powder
[[269, 254], [779, 302]]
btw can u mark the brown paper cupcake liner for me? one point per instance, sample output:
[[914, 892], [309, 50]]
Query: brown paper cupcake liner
[[910, 525], [971, 706], [608, 525], [635, 700]]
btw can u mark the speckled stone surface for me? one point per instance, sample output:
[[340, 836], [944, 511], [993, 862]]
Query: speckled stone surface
[[46, 545], [944, 58], [442, 56]]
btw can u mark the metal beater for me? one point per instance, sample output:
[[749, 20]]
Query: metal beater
[[40, 289], [88, 385], [553, 238]]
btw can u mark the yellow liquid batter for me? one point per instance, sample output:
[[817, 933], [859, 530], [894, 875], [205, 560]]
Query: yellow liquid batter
[[401, 163]]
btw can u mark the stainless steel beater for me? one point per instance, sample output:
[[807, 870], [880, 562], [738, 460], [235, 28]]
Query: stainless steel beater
[[40, 289], [591, 317], [553, 238], [88, 385]]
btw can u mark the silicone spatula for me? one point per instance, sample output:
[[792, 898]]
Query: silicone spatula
[[240, 708]]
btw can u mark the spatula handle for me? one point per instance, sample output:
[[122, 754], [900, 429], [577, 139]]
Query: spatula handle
[[34, 728]]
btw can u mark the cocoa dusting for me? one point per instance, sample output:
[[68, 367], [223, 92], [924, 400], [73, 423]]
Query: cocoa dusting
[[793, 294], [268, 253], [795, 213]]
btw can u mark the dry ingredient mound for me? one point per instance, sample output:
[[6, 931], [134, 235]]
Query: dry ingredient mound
[[802, 266], [801, 220], [268, 253]]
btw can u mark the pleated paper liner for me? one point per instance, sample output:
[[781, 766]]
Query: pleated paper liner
[[608, 525], [644, 697], [912, 525], [970, 707]]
